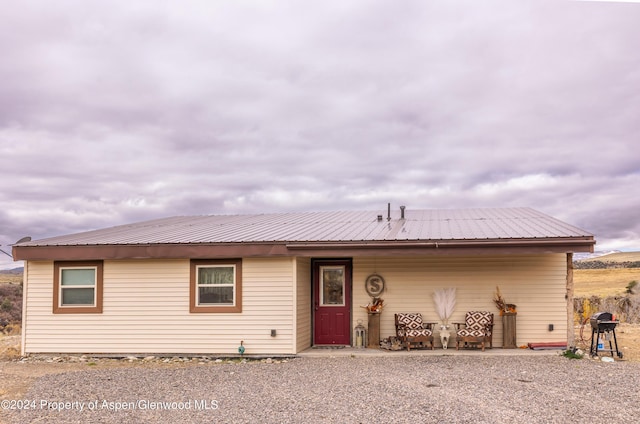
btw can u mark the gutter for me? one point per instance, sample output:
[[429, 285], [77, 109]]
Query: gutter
[[272, 249], [443, 244]]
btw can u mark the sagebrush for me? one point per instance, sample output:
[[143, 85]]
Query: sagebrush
[[626, 308], [10, 303]]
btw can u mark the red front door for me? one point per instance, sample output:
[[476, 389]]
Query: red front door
[[332, 302]]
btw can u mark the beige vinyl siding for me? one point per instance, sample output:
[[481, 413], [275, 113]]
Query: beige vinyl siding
[[146, 310], [303, 304], [535, 283]]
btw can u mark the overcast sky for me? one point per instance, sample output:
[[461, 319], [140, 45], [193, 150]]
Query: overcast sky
[[122, 111]]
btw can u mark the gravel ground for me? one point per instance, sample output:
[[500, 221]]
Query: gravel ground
[[549, 389]]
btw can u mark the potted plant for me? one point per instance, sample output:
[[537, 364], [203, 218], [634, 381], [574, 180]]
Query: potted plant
[[375, 307], [502, 305]]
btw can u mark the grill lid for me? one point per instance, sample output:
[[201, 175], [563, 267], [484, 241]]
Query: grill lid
[[603, 321]]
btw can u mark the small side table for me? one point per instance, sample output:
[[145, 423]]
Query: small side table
[[374, 330], [509, 330]]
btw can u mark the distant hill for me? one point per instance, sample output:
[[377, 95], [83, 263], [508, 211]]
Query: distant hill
[[611, 260], [12, 271], [615, 257], [580, 256]]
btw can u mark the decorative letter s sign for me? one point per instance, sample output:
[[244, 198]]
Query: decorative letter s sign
[[374, 285]]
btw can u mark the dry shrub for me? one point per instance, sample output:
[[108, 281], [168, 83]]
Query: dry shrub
[[12, 329], [631, 308], [10, 353], [10, 303], [584, 307], [626, 308]]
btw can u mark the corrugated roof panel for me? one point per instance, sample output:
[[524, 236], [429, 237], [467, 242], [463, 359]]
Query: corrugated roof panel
[[469, 224]]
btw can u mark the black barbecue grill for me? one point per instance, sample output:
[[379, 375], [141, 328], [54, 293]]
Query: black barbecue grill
[[603, 328]]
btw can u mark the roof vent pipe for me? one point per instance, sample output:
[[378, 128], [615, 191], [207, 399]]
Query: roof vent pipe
[[388, 211], [402, 212]]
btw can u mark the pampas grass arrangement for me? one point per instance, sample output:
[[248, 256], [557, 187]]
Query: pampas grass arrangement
[[445, 300]]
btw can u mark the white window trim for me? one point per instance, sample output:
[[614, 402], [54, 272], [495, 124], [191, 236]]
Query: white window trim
[[98, 294], [218, 308], [232, 285], [94, 286]]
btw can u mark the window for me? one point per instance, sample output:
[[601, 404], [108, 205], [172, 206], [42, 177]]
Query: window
[[332, 285], [216, 286], [77, 287]]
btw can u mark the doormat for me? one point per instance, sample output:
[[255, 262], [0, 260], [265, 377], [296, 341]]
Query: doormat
[[548, 346], [328, 347]]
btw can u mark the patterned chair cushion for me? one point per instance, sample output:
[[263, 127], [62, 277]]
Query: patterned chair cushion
[[477, 320], [413, 320], [470, 333], [476, 324], [413, 325], [417, 332]]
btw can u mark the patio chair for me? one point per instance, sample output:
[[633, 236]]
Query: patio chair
[[478, 329], [411, 330]]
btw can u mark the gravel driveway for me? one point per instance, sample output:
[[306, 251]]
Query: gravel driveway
[[548, 389]]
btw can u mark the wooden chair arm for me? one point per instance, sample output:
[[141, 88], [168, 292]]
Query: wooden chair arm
[[458, 324], [429, 325]]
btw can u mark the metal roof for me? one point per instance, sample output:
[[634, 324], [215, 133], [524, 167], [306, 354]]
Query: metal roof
[[337, 227]]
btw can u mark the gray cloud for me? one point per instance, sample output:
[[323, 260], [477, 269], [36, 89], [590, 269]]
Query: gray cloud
[[119, 112]]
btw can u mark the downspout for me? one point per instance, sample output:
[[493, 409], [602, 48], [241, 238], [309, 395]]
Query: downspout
[[294, 317], [25, 286], [569, 297]]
